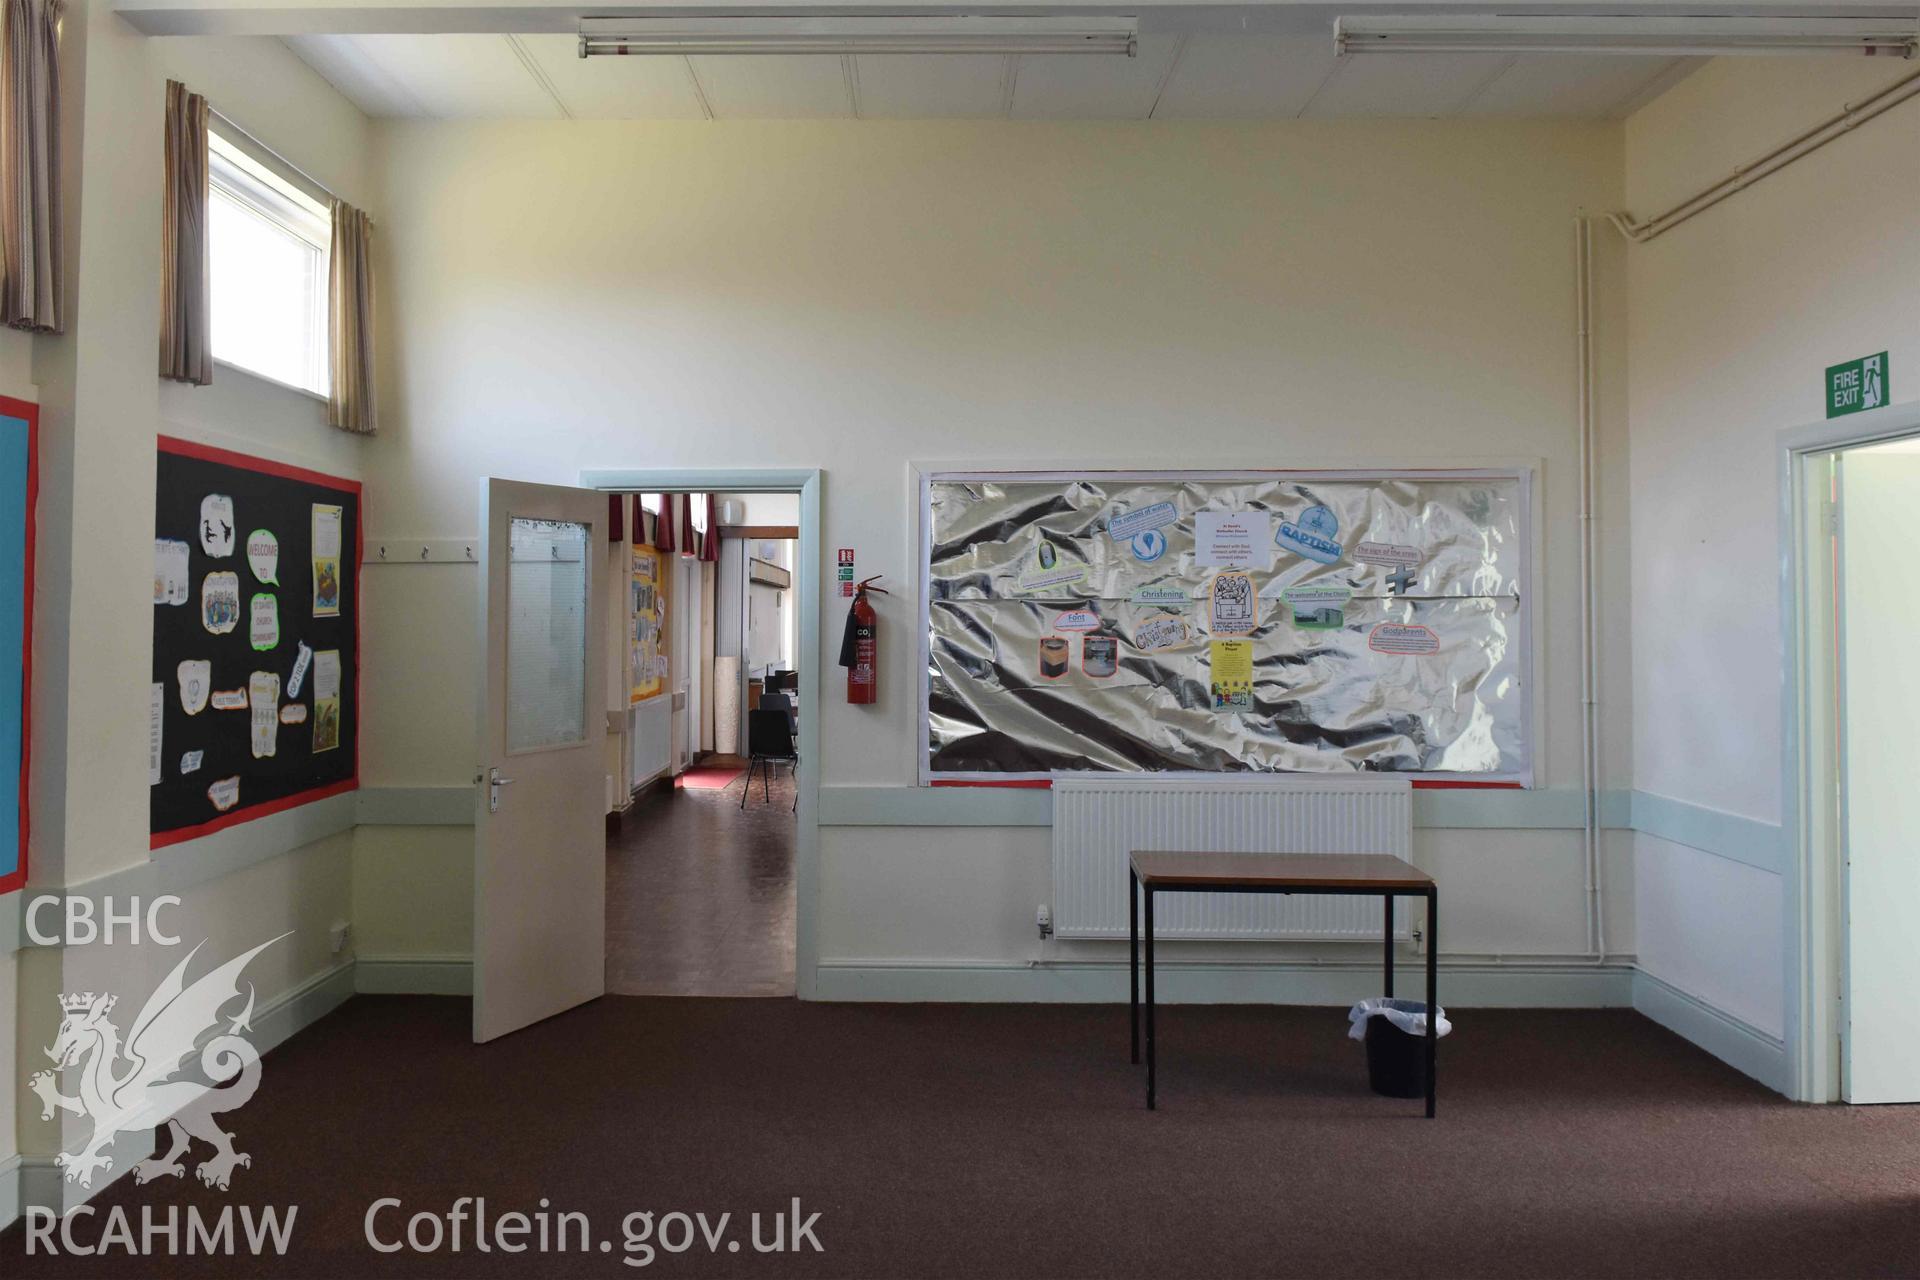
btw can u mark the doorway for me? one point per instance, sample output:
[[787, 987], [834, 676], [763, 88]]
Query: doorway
[[700, 859], [1852, 727], [548, 735]]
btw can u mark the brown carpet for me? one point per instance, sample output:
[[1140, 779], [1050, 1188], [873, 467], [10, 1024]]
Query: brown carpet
[[954, 1140]]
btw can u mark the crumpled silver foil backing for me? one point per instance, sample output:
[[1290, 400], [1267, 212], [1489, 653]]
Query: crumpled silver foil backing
[[1322, 700]]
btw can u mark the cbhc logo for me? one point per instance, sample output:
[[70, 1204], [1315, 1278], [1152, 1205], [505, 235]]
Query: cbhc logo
[[81, 928]]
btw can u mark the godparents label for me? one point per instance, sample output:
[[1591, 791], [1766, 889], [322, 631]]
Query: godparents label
[[1402, 638]]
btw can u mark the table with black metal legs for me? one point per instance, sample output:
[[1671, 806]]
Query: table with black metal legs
[[1352, 873]]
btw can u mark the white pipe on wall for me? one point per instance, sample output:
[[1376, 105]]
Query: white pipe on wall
[[1850, 117], [1589, 603]]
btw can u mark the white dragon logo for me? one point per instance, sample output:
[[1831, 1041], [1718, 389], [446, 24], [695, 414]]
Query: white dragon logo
[[145, 1095]]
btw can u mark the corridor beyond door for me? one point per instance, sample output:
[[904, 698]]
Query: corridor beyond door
[[700, 893]]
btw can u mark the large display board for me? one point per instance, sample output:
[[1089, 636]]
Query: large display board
[[254, 702], [19, 428], [1326, 622]]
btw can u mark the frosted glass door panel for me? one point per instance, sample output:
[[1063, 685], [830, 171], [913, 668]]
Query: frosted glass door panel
[[546, 633]]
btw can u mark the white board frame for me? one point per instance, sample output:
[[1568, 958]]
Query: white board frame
[[1521, 475]]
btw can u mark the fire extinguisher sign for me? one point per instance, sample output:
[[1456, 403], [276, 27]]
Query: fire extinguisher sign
[[846, 571]]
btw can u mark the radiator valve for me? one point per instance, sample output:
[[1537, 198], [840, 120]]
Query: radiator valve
[[1044, 919]]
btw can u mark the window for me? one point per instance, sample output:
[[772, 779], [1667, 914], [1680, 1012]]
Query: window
[[268, 242]]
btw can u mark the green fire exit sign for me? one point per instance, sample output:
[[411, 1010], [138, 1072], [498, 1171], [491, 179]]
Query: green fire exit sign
[[1857, 385]]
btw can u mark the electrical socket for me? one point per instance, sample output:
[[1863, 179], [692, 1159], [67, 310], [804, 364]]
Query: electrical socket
[[337, 935]]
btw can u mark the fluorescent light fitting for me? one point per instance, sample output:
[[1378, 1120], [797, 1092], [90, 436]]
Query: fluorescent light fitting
[[849, 35], [1646, 36]]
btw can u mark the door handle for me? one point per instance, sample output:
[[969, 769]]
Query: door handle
[[494, 783]]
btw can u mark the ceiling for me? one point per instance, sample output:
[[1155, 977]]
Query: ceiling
[[1196, 74]]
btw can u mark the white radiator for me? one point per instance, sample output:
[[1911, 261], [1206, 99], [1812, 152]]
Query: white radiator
[[1098, 822]]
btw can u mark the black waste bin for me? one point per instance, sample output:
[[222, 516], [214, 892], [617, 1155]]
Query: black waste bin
[[1396, 1058]]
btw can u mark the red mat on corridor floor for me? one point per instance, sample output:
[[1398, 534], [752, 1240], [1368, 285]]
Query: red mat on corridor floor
[[708, 779]]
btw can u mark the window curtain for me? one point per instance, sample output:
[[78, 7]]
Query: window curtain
[[710, 545], [30, 256], [186, 354], [350, 322], [689, 537], [663, 524]]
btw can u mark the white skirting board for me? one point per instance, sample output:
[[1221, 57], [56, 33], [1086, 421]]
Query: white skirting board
[[9, 1191], [442, 975], [1462, 985], [1738, 1044]]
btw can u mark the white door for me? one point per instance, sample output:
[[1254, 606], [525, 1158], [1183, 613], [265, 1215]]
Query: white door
[[539, 915], [1880, 801]]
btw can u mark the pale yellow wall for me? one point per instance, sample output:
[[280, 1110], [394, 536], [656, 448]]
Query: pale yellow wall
[[16, 364], [765, 508], [1734, 317], [399, 870], [858, 295], [103, 404]]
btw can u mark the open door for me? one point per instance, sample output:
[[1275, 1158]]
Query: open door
[[539, 903], [1880, 701]]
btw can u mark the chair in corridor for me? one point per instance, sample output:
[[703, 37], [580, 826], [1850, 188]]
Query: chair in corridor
[[769, 739]]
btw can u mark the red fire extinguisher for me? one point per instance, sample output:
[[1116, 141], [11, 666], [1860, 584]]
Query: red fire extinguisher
[[859, 646]]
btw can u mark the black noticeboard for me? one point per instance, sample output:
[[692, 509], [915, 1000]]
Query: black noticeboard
[[233, 628]]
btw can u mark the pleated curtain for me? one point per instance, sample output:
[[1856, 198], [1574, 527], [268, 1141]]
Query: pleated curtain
[[689, 538], [31, 274], [710, 545], [186, 353], [663, 524], [350, 398]]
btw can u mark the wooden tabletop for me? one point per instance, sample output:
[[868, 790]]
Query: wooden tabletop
[[1356, 871]]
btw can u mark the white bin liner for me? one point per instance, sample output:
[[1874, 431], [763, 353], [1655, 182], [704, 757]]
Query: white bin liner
[[1408, 1015]]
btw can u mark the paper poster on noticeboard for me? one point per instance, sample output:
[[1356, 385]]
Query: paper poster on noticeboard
[[644, 639]]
